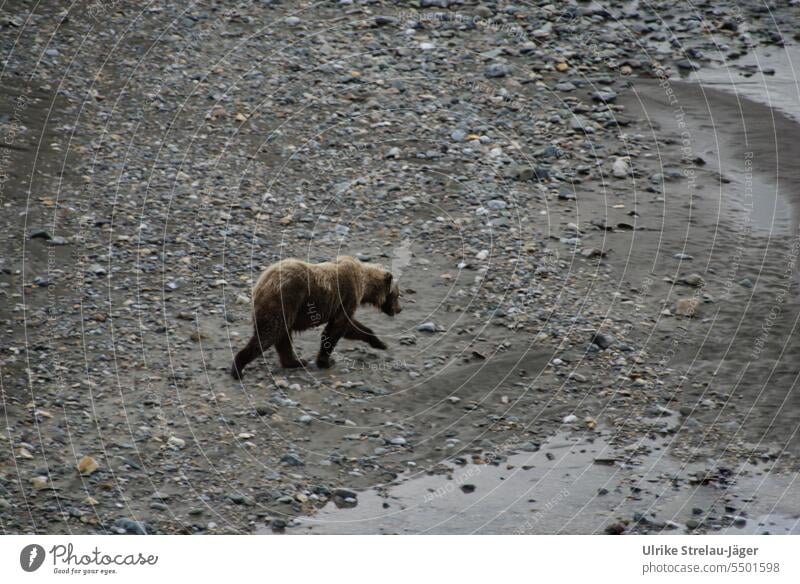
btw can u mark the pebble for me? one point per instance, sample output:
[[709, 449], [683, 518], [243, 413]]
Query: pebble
[[606, 96], [345, 494], [292, 459], [87, 465], [615, 529], [543, 31], [496, 70], [241, 499], [40, 482], [621, 167], [382, 20], [40, 234], [592, 252], [602, 340], [130, 526], [687, 307], [176, 443], [694, 280]]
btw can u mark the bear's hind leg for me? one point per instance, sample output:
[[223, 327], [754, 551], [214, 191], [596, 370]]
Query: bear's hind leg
[[286, 354], [252, 350], [263, 338]]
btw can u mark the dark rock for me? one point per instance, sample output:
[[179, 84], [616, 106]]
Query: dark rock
[[345, 494], [240, 499], [292, 459], [40, 234], [615, 529], [265, 410], [602, 340], [385, 21], [427, 327]]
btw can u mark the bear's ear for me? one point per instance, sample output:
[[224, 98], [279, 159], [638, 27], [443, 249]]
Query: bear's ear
[[387, 280]]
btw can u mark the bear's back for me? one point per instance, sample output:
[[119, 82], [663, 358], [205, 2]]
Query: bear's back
[[339, 282]]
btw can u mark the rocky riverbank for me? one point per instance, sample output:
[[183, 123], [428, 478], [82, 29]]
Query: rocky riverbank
[[589, 249]]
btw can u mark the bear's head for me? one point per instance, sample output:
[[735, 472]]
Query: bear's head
[[391, 300]]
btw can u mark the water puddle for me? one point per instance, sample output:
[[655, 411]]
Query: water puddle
[[574, 484], [767, 75], [766, 170], [529, 492]]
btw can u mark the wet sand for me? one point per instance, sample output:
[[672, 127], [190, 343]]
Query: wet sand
[[736, 218], [741, 232]]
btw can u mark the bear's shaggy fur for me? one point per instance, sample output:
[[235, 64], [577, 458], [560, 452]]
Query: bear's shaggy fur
[[293, 295]]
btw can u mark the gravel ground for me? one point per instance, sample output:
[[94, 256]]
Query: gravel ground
[[580, 238]]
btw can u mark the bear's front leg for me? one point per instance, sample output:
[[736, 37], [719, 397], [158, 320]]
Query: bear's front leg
[[330, 336]]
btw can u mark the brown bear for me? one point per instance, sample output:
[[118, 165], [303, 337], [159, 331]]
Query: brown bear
[[292, 295]]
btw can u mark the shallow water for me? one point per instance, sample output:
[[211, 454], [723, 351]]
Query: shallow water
[[530, 492], [575, 484], [767, 75]]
